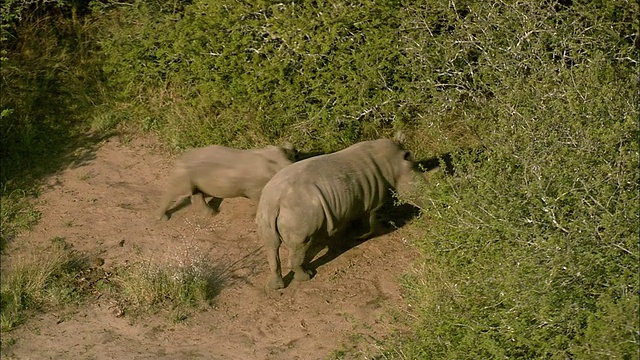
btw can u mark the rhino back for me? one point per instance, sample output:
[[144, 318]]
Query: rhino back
[[212, 153], [226, 172], [327, 190]]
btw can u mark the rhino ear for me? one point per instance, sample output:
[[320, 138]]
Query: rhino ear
[[289, 146], [408, 155], [400, 137], [291, 150]]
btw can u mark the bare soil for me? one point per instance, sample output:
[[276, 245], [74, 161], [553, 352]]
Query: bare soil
[[104, 205]]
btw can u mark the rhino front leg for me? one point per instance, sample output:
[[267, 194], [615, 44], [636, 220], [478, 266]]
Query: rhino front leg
[[197, 199], [179, 185], [297, 255]]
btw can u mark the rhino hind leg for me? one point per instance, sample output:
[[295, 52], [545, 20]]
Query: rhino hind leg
[[165, 203], [297, 256], [212, 206], [372, 226], [273, 257]]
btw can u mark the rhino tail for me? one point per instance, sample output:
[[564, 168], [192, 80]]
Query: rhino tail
[[268, 228], [267, 223]]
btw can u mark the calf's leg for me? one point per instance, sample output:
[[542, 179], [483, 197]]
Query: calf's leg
[[179, 185]]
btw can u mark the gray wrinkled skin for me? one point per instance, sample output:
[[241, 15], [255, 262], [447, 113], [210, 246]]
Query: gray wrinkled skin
[[316, 197], [221, 172]]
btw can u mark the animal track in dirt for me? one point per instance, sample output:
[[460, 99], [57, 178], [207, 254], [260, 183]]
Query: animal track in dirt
[[106, 207]]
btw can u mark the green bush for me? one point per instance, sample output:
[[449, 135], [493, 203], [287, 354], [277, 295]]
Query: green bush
[[323, 75], [536, 231], [50, 84], [530, 246]]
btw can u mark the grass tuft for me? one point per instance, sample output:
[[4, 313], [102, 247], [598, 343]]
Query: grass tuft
[[38, 282], [17, 214], [187, 281]]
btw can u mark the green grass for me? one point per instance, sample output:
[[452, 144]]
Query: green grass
[[17, 213], [39, 282], [143, 288], [59, 276], [178, 287], [530, 243]]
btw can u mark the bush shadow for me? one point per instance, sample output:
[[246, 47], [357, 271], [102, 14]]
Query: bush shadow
[[25, 172], [443, 162], [303, 155], [48, 102], [225, 272]]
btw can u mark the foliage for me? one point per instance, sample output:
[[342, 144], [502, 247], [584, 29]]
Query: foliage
[[38, 281], [537, 231], [17, 214], [320, 74], [50, 85], [530, 248]]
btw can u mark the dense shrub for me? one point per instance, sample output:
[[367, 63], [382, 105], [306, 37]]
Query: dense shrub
[[49, 85], [321, 74], [537, 232], [530, 244]]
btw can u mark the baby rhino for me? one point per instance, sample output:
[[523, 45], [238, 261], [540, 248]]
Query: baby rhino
[[318, 196], [222, 172]]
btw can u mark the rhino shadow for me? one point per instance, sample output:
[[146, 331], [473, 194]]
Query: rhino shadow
[[391, 217], [302, 155]]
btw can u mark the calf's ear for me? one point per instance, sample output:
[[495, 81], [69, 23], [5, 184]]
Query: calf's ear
[[291, 150], [408, 155], [289, 146]]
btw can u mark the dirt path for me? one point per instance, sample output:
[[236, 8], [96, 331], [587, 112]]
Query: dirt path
[[105, 207]]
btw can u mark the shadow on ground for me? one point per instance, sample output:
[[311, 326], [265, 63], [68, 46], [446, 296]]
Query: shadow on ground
[[226, 271], [390, 217], [46, 111]]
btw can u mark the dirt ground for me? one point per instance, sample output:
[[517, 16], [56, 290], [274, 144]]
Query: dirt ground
[[104, 205]]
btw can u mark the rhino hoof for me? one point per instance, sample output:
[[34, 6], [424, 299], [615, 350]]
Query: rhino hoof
[[276, 283], [211, 211], [302, 275]]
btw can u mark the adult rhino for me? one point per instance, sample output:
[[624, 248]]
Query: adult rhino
[[222, 172], [318, 196]]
